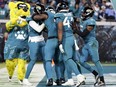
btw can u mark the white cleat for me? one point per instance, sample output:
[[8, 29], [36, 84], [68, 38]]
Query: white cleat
[[54, 83], [80, 80], [26, 82], [70, 82], [100, 83]]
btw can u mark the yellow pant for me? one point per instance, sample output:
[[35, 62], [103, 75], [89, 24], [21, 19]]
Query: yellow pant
[[11, 65]]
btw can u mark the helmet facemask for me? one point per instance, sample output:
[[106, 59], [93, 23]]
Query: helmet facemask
[[87, 13]]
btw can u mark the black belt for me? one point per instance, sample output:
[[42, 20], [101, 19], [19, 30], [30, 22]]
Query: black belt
[[52, 37]]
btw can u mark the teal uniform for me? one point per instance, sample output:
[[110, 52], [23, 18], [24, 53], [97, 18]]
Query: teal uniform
[[90, 47], [51, 47], [36, 46], [17, 44], [67, 41], [68, 37]]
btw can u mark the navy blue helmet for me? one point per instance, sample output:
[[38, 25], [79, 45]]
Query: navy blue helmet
[[39, 8], [87, 13], [62, 6]]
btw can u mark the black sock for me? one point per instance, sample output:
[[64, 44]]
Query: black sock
[[95, 73], [79, 68], [102, 78]]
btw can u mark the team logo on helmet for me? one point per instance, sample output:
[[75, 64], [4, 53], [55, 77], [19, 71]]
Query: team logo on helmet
[[87, 13], [39, 8]]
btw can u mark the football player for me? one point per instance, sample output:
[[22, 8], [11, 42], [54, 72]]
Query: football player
[[66, 40], [51, 47], [36, 43], [87, 32]]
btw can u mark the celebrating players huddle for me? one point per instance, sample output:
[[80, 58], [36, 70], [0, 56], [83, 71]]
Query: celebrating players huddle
[[60, 46]]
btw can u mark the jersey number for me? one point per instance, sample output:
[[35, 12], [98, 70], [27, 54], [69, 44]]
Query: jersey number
[[66, 21]]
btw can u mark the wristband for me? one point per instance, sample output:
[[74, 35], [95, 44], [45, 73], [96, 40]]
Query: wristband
[[59, 42]]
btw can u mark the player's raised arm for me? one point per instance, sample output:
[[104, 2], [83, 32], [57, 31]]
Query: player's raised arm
[[40, 14]]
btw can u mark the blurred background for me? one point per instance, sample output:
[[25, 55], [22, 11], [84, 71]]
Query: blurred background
[[104, 14]]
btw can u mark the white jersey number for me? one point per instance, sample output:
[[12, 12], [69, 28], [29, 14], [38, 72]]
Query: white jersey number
[[66, 21]]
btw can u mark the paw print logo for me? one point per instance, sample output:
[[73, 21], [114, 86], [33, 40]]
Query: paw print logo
[[20, 35]]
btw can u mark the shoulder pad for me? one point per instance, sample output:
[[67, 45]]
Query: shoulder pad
[[58, 15]]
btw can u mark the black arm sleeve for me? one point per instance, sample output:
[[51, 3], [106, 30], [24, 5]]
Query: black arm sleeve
[[82, 34]]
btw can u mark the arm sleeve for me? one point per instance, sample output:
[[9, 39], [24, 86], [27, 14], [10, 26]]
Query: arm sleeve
[[85, 32], [36, 26], [82, 34]]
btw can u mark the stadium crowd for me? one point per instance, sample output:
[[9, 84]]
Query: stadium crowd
[[103, 8]]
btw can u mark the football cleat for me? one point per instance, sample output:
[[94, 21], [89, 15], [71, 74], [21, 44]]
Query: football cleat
[[100, 83], [80, 80], [62, 80], [26, 82], [49, 82], [70, 82], [58, 82], [96, 79]]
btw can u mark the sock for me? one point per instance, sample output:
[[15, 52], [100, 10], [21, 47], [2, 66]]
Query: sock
[[102, 78], [94, 72]]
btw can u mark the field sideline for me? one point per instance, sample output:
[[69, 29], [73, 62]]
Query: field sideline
[[2, 65], [38, 77]]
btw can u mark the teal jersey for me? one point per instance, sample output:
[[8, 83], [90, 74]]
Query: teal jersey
[[31, 31], [66, 18], [18, 36], [50, 24], [92, 34]]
